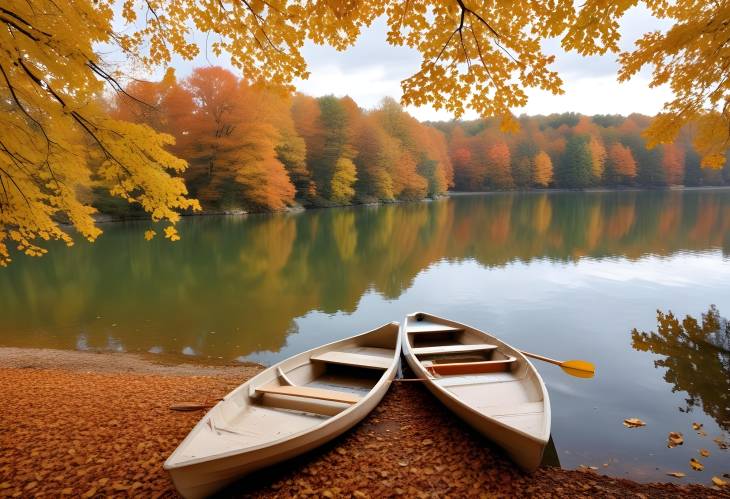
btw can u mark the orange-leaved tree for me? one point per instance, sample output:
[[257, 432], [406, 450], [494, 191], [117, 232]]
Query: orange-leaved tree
[[622, 162], [673, 164]]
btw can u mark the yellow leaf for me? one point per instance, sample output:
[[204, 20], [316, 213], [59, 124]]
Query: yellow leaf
[[696, 465], [720, 441], [719, 481], [704, 453], [633, 423], [696, 426], [677, 474], [674, 439], [171, 233], [149, 234]]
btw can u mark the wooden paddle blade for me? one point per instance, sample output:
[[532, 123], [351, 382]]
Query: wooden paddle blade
[[579, 365], [577, 373], [583, 370]]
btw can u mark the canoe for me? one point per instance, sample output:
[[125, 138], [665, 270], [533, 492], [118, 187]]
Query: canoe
[[286, 410], [486, 382]]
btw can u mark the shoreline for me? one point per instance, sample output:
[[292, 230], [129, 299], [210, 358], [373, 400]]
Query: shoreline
[[104, 218], [102, 425], [117, 363]]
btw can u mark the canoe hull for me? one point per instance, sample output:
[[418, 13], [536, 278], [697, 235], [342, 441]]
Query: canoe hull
[[524, 449], [203, 476], [204, 479]]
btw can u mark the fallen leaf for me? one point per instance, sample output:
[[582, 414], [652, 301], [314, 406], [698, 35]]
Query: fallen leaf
[[704, 453], [702, 433], [696, 426], [696, 465], [633, 423], [428, 441], [720, 442], [675, 438], [719, 481], [677, 474]]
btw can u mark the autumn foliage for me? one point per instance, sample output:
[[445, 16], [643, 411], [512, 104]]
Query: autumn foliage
[[59, 142], [255, 148], [572, 151]]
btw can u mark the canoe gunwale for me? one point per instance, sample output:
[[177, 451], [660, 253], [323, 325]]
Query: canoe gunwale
[[378, 389]]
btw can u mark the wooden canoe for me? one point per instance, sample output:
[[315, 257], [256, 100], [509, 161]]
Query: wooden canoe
[[486, 382], [288, 409]]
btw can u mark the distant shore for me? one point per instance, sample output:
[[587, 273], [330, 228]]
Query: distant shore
[[109, 218], [98, 424], [596, 189]]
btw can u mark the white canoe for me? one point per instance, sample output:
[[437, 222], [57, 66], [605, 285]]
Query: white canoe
[[288, 409], [486, 382]]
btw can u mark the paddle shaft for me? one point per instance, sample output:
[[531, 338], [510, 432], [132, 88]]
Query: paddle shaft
[[540, 357]]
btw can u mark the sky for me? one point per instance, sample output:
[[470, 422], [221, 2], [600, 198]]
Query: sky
[[372, 69]]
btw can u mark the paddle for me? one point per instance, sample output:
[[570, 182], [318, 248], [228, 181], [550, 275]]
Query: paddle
[[577, 368], [192, 406]]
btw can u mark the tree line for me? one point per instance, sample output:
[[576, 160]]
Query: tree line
[[261, 149], [570, 151]]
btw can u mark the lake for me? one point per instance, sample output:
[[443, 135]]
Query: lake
[[568, 275]]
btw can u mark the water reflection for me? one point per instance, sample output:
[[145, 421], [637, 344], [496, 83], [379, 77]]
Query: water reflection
[[696, 359], [248, 279]]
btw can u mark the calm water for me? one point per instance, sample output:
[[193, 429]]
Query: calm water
[[569, 275]]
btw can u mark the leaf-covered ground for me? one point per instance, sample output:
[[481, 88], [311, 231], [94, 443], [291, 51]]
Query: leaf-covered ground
[[85, 433]]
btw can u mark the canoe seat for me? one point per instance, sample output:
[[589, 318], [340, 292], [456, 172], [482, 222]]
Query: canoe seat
[[430, 327], [453, 349], [308, 392], [371, 358], [488, 366]]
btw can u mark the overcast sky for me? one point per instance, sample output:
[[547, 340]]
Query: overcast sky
[[372, 69]]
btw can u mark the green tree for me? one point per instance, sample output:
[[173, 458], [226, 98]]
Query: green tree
[[575, 169]]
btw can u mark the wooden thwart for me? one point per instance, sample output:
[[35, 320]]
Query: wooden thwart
[[312, 393], [454, 349], [432, 328], [488, 366], [355, 359]]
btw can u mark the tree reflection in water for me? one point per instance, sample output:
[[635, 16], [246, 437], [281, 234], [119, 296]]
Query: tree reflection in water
[[239, 284], [697, 359]]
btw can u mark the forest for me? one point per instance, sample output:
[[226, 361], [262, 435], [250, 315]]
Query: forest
[[254, 148]]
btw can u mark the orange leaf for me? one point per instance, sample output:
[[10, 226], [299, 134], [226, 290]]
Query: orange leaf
[[719, 481], [675, 438], [633, 423]]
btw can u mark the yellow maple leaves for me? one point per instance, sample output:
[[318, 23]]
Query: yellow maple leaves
[[691, 57], [57, 141]]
